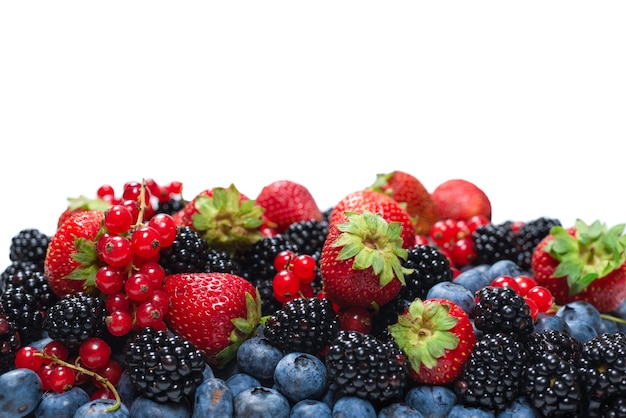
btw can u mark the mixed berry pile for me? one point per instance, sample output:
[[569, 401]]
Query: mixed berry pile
[[144, 303]]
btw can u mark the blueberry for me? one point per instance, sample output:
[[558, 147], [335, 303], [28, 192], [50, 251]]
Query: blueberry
[[545, 322], [581, 330], [431, 401], [311, 408], [126, 389], [606, 325], [20, 392], [620, 313], [257, 357], [98, 409], [520, 408], [241, 381], [144, 407], [581, 311], [463, 411], [61, 405], [301, 376], [399, 410], [503, 268], [353, 407], [207, 373], [472, 279], [213, 398], [261, 402], [455, 293]]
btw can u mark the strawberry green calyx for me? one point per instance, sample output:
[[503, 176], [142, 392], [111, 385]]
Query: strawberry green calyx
[[87, 257], [591, 253], [244, 329], [423, 332], [86, 203], [373, 242], [226, 221]]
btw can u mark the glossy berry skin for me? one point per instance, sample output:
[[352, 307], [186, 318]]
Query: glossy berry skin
[[311, 408], [20, 392], [239, 382], [62, 405], [352, 406], [300, 376], [211, 301], [213, 398], [261, 402], [98, 409], [60, 261], [143, 407], [286, 202], [431, 400], [399, 410], [453, 292], [258, 358]]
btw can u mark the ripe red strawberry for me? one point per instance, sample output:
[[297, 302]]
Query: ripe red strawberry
[[225, 218], [360, 261], [81, 204], [376, 202], [217, 312], [584, 262], [437, 337], [411, 193], [286, 202], [71, 260]]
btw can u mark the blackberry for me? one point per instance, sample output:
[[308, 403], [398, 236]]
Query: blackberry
[[221, 262], [502, 309], [187, 254], [34, 282], [25, 267], [552, 385], [528, 237], [171, 206], [304, 325], [430, 267], [491, 377], [75, 318], [9, 343], [29, 245], [494, 242], [387, 315], [309, 236], [24, 310], [602, 366], [615, 407], [560, 343], [257, 266], [164, 367], [363, 366]]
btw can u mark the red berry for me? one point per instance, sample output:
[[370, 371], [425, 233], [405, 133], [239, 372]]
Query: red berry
[[106, 192], [534, 310], [116, 250], [119, 323], [110, 279], [118, 219], [154, 271], [117, 302], [149, 314], [139, 287], [285, 285], [165, 225], [443, 231], [55, 349], [475, 221], [304, 267], [542, 297], [525, 283], [61, 378], [27, 358], [504, 281], [356, 319], [112, 371], [145, 242], [94, 353], [283, 260], [44, 375], [462, 252]]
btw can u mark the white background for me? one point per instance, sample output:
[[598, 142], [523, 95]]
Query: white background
[[525, 99]]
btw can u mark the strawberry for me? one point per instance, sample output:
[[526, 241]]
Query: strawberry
[[360, 261], [217, 312], [287, 202], [583, 262], [411, 193], [81, 204], [376, 202], [437, 336], [226, 219], [71, 260]]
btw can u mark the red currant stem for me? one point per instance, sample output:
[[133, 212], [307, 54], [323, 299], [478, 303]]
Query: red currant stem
[[142, 203], [88, 372], [608, 317]]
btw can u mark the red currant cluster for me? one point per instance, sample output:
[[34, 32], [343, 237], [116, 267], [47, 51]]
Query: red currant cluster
[[294, 275], [129, 246], [453, 238], [60, 372], [537, 297]]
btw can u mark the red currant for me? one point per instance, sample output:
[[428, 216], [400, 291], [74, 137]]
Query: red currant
[[443, 231], [148, 314], [165, 225], [44, 375], [541, 296], [475, 221], [462, 252], [112, 371], [119, 323], [356, 319], [105, 192], [161, 299], [525, 283], [55, 349], [27, 357], [534, 310], [154, 271], [304, 267], [133, 208], [110, 279], [283, 259], [138, 287], [61, 378], [504, 281], [116, 250], [118, 219], [94, 353], [117, 302], [102, 393], [145, 242], [285, 285]]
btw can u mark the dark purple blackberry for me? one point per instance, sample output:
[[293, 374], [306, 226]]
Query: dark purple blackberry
[[171, 206], [25, 267], [551, 341], [602, 367], [387, 315], [257, 266], [491, 377], [219, 261], [501, 309], [24, 310], [29, 245], [34, 282], [187, 254], [75, 318], [363, 366], [494, 242], [304, 325], [429, 266], [164, 367], [615, 407], [529, 235], [552, 385], [9, 343]]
